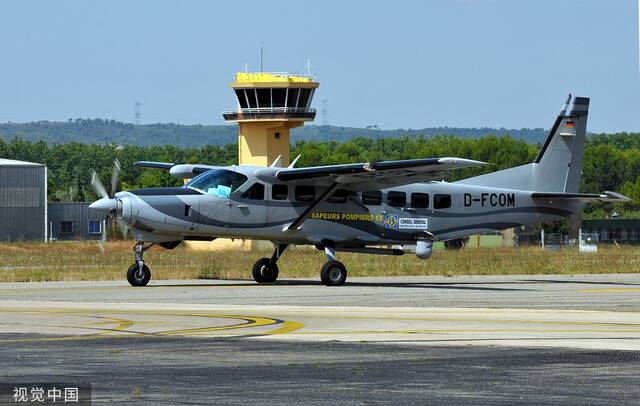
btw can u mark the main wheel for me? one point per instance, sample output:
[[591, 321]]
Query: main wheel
[[333, 273], [137, 276], [265, 271]]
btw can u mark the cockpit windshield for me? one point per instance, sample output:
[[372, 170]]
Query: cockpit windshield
[[218, 182]]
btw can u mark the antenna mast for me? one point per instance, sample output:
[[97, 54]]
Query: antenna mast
[[137, 113]]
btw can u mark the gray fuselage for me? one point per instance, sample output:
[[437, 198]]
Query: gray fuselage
[[398, 215]]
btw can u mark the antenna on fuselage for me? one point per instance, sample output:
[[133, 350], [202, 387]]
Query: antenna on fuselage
[[292, 164], [276, 162]]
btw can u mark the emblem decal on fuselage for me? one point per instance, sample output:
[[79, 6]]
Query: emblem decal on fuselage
[[405, 223], [391, 221]]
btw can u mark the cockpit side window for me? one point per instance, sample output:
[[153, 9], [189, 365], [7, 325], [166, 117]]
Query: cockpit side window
[[218, 182], [255, 192]]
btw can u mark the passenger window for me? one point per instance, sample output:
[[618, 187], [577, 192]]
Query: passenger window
[[396, 199], [305, 193], [419, 200], [373, 198], [255, 192], [441, 201], [279, 192], [339, 196]]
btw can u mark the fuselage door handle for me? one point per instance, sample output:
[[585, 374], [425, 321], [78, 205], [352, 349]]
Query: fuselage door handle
[[242, 206]]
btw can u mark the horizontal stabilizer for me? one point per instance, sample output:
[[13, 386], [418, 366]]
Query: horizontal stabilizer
[[611, 197]]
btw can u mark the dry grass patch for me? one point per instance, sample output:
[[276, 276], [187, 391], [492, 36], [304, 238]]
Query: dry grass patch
[[64, 261]]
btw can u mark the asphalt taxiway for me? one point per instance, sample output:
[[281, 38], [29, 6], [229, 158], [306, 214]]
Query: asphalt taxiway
[[539, 339]]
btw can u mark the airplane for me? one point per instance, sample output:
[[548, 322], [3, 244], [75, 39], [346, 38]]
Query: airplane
[[369, 208]]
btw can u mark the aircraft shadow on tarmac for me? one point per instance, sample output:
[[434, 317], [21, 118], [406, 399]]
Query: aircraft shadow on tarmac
[[426, 285]]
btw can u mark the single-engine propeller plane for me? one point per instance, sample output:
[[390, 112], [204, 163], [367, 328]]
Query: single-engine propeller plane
[[363, 207]]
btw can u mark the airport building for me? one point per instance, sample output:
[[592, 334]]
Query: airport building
[[23, 201], [74, 221], [614, 230]]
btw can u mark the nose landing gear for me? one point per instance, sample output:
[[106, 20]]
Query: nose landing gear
[[265, 270], [139, 274]]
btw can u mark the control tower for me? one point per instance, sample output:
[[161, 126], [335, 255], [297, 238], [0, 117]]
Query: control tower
[[269, 105]]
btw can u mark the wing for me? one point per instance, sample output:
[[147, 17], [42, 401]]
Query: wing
[[611, 197], [184, 171], [376, 175]]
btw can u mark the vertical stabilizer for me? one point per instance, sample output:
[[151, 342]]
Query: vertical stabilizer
[[559, 161], [558, 166]]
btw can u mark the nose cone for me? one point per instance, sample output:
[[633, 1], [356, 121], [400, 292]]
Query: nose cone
[[104, 205]]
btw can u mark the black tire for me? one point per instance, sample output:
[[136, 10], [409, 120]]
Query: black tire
[[137, 277], [265, 271], [333, 273]]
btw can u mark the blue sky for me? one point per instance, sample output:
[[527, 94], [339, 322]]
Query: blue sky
[[400, 64]]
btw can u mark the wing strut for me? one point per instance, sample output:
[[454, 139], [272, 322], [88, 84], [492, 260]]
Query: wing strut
[[302, 217]]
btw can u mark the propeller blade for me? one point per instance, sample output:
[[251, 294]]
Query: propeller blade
[[97, 185], [115, 177]]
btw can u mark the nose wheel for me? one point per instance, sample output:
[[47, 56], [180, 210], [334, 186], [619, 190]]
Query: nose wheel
[[139, 274], [265, 270]]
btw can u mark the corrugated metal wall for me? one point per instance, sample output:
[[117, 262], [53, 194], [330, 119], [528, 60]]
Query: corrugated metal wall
[[22, 202], [79, 214]]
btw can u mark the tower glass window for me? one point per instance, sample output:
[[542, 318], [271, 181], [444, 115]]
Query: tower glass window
[[264, 98], [251, 98], [241, 98], [279, 96], [304, 98], [292, 99]]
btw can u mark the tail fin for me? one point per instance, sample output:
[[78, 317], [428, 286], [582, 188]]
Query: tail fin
[[558, 165]]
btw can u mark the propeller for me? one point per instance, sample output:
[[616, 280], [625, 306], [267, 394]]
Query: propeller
[[98, 186], [107, 203]]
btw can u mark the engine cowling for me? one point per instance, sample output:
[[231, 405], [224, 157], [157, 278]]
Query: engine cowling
[[424, 249]]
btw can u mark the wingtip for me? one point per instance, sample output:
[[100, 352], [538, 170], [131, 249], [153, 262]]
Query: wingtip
[[461, 161], [617, 196]]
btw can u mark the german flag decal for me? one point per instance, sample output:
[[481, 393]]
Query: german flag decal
[[570, 124]]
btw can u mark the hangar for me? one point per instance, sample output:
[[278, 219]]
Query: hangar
[[23, 200]]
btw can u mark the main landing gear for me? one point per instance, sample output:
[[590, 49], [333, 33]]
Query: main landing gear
[[139, 274], [333, 272]]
